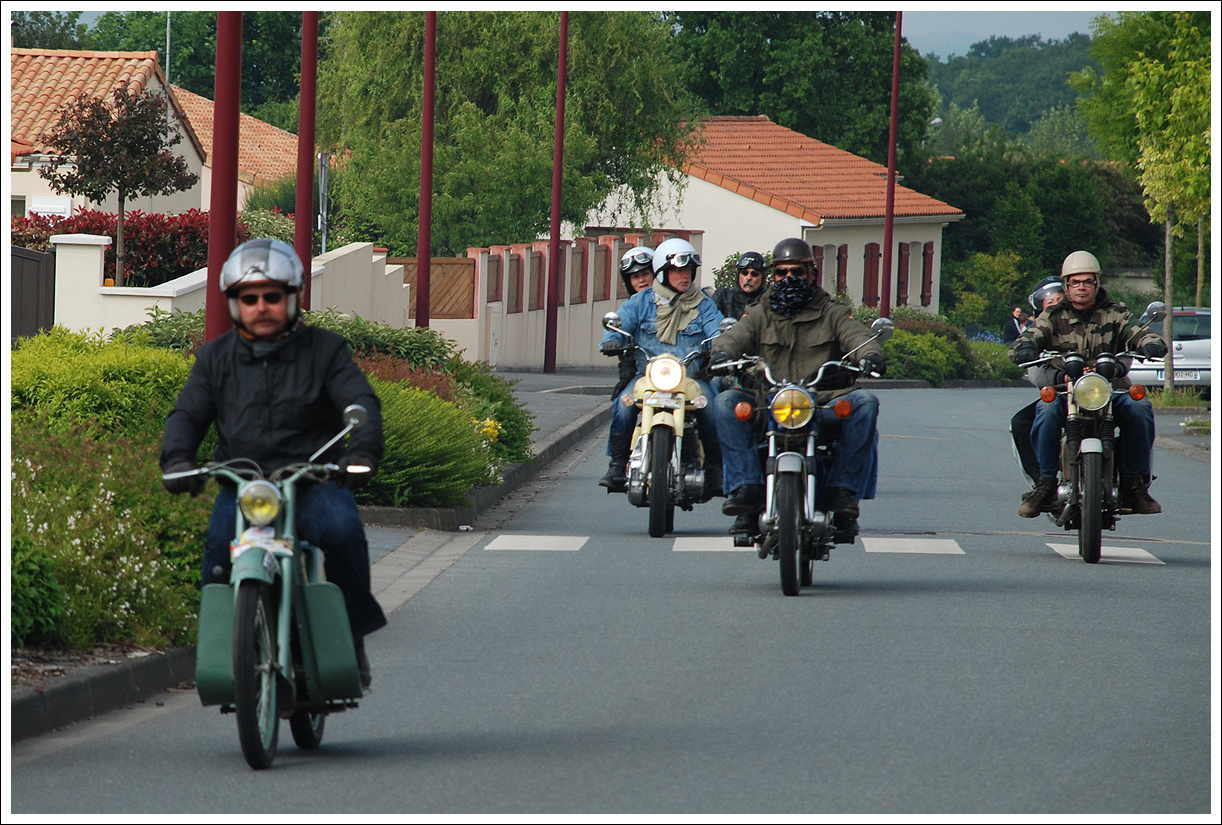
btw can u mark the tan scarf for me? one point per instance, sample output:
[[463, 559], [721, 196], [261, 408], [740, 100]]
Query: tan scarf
[[676, 310]]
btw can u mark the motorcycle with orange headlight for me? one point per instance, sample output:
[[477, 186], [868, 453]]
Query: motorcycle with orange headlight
[[1088, 491], [796, 527]]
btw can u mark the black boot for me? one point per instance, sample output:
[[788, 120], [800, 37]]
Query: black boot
[[749, 498], [712, 470], [616, 478]]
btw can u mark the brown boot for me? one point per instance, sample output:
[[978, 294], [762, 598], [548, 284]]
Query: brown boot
[[1136, 499], [1041, 496]]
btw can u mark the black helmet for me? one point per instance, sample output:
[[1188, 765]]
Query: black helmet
[[751, 260], [792, 251], [1049, 286]]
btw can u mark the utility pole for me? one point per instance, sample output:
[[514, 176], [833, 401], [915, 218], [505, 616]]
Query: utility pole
[[303, 223], [884, 307], [553, 251], [424, 242], [223, 211]]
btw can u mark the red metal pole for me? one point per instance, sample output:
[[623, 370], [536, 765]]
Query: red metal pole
[[223, 210], [884, 309], [553, 251], [303, 218], [425, 240]]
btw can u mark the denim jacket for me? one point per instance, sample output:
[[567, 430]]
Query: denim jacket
[[639, 317]]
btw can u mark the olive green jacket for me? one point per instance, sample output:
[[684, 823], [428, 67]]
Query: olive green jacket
[[793, 348], [1111, 328]]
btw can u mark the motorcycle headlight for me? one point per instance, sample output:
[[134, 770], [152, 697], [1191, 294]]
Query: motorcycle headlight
[[260, 501], [665, 373], [792, 408], [1092, 391]]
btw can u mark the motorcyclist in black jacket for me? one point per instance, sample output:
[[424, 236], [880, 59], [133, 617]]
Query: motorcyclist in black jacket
[[276, 390], [749, 286]]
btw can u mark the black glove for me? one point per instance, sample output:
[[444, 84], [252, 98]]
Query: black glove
[[1154, 349], [1023, 353], [611, 348], [718, 361], [355, 480], [874, 365], [187, 484]]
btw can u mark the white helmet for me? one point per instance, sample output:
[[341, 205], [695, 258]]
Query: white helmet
[[1080, 263], [263, 260], [675, 252]]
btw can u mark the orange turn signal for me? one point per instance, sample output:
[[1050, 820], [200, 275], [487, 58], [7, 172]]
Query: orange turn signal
[[1137, 392], [843, 408], [743, 411], [1048, 394]]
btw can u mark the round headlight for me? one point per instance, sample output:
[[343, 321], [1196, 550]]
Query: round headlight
[[792, 408], [1092, 391], [260, 501], [665, 373]]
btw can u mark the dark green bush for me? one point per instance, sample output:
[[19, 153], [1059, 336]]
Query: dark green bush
[[37, 603], [435, 451], [177, 330], [923, 356], [515, 423], [990, 361], [420, 346]]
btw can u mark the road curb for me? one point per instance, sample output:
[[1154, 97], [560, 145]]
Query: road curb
[[97, 689]]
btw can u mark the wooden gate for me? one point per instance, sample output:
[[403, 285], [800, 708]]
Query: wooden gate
[[32, 292], [451, 286]]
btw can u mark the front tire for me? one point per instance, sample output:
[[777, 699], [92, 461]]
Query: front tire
[[661, 445], [789, 508], [254, 673], [1090, 541]]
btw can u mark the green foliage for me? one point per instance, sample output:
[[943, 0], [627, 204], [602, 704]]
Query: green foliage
[[37, 603], [1014, 81], [1069, 201], [1177, 397], [1061, 133], [419, 346], [49, 30], [177, 330], [435, 451], [1016, 226], [922, 356], [516, 423], [997, 283], [990, 361], [777, 63], [269, 224], [965, 133], [124, 553], [279, 195], [495, 102], [118, 386]]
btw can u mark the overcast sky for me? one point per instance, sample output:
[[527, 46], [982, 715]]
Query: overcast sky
[[953, 32]]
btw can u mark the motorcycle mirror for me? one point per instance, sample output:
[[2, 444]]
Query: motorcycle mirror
[[883, 329], [611, 319], [725, 324], [355, 416], [1155, 312]]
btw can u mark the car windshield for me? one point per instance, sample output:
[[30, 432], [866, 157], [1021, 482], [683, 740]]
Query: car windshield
[[1192, 327]]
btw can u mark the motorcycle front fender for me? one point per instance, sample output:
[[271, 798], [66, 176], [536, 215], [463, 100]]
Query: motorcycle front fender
[[255, 563], [1091, 445]]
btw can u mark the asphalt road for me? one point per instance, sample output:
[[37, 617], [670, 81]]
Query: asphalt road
[[952, 661]]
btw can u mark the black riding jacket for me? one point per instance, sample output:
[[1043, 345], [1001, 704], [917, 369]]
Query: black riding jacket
[[275, 403]]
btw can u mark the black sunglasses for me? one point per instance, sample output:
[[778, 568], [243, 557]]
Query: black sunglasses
[[270, 298], [786, 271]]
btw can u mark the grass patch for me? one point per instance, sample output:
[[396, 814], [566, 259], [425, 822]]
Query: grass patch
[[1179, 397]]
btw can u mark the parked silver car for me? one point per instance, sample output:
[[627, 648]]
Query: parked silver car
[[1193, 340]]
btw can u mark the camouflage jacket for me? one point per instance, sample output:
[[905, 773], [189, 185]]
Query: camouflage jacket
[[1110, 328]]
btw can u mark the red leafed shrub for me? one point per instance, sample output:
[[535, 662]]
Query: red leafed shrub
[[158, 247], [389, 368]]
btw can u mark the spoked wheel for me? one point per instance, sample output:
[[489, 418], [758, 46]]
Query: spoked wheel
[[307, 728], [661, 445], [1090, 541], [254, 673], [789, 532]]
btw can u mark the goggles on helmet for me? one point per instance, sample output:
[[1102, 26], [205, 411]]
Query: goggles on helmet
[[682, 259], [639, 259]]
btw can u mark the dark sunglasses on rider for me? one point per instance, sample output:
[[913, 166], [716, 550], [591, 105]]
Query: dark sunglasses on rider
[[786, 271], [682, 259], [270, 298], [639, 259]]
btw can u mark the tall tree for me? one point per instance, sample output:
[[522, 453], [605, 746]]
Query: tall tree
[[119, 145], [824, 74], [49, 30], [495, 107]]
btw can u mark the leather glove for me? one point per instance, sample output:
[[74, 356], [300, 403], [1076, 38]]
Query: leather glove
[[718, 361], [1154, 349], [1023, 353], [187, 484], [355, 480], [874, 365], [611, 348]]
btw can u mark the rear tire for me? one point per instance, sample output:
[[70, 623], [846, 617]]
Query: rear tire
[[789, 531], [254, 673], [661, 445], [1090, 540], [307, 728]]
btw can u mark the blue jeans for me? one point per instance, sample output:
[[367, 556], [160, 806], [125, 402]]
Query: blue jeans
[[1136, 422], [327, 517], [855, 462], [623, 416]]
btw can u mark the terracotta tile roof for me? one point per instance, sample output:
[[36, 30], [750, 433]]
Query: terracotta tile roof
[[799, 175], [265, 152], [44, 81]]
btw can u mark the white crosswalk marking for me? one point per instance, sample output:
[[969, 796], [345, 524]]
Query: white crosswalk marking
[[708, 544], [515, 542], [944, 547], [1134, 555]]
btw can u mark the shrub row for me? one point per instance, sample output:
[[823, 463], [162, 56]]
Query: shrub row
[[930, 348]]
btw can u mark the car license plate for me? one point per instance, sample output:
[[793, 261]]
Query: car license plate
[[1182, 375], [665, 400]]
